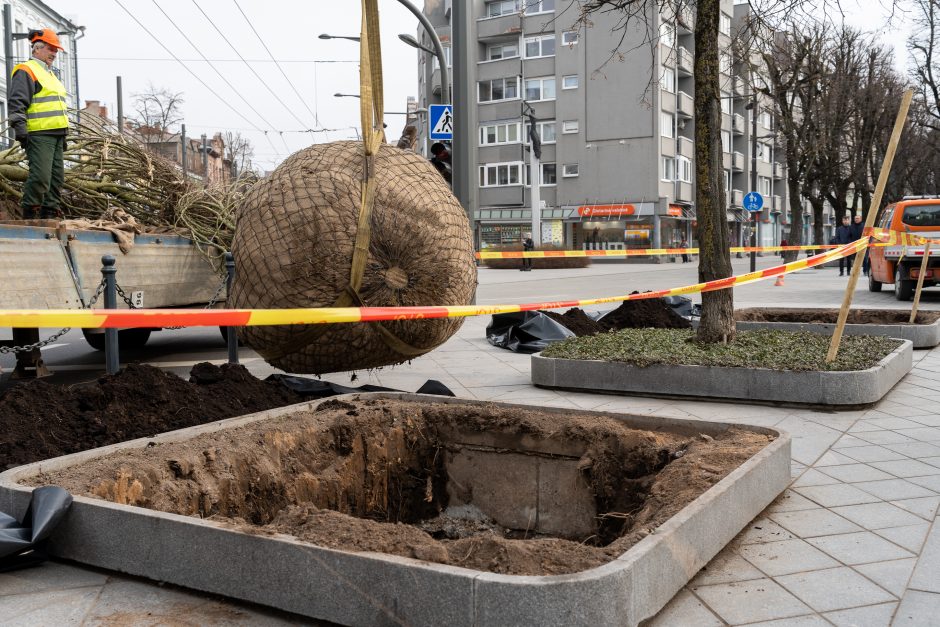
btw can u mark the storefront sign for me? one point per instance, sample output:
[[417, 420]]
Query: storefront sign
[[674, 210], [625, 209]]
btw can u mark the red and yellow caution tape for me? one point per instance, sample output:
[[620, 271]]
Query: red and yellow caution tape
[[156, 318]]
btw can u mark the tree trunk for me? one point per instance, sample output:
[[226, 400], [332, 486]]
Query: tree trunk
[[796, 213], [717, 323], [818, 206]]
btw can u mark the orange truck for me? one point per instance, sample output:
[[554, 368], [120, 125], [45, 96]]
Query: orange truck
[[900, 265]]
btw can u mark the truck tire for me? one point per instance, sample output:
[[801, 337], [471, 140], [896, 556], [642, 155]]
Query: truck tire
[[873, 285], [127, 338], [903, 288]]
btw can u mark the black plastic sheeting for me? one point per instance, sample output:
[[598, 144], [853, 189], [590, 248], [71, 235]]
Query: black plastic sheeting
[[323, 389], [525, 331], [533, 331], [23, 542]]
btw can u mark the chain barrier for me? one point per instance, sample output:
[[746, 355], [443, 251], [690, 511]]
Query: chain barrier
[[5, 350], [209, 305]]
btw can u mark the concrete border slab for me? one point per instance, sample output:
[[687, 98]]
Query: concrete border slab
[[377, 589], [838, 388]]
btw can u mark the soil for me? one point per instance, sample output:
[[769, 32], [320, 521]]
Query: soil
[[372, 475], [40, 420], [576, 321], [856, 316]]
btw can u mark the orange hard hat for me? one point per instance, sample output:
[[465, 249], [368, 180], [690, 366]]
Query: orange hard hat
[[46, 35]]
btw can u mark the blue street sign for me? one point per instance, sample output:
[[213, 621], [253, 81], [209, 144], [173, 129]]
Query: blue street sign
[[441, 122], [753, 201]]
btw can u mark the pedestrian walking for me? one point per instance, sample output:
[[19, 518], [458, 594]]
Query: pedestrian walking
[[684, 244], [844, 236], [783, 243], [527, 245], [37, 109]]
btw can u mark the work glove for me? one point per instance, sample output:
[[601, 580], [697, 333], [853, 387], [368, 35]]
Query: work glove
[[23, 139]]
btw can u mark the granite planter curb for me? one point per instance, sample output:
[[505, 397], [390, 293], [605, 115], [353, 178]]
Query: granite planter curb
[[378, 589], [921, 335], [838, 388]]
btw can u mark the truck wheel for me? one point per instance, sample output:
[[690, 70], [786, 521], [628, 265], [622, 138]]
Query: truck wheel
[[903, 289], [127, 338], [873, 285]]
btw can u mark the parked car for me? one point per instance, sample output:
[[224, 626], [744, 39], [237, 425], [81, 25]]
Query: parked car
[[900, 265]]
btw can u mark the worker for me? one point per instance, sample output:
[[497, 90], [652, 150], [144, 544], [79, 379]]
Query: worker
[[441, 160], [40, 124]]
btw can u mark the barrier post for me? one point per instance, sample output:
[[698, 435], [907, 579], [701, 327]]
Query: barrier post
[[112, 357], [920, 281], [869, 222], [230, 332]]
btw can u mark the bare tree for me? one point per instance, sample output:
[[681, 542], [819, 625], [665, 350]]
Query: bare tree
[[238, 150], [158, 111]]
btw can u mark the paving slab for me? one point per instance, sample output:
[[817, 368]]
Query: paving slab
[[891, 575], [869, 616], [859, 548], [751, 601], [877, 515], [834, 589], [918, 609]]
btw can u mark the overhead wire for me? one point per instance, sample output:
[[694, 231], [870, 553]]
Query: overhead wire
[[186, 67], [225, 80], [316, 118], [232, 46]]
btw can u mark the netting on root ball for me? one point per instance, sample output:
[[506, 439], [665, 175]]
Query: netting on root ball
[[294, 241]]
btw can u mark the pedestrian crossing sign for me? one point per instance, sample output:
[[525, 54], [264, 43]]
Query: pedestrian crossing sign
[[441, 122]]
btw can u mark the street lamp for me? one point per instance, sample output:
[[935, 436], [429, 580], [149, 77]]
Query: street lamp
[[349, 37], [411, 41], [339, 95]]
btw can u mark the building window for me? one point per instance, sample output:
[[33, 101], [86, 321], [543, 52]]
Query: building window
[[570, 37], [763, 186], [569, 82], [570, 170], [763, 152], [726, 141], [728, 186], [726, 103], [667, 34], [668, 80], [541, 46], [495, 134], [502, 7], [539, 89], [765, 119], [507, 50], [539, 6], [669, 169], [569, 126], [436, 65], [546, 131], [685, 169], [501, 174], [666, 121], [548, 174], [724, 63], [499, 89], [724, 24]]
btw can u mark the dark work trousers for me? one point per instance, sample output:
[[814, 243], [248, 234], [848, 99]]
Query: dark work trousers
[[46, 174], [866, 263], [847, 263]]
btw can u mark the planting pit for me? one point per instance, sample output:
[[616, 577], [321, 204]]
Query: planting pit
[[494, 490], [923, 333]]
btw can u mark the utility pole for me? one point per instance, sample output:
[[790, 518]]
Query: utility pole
[[8, 54], [754, 221], [183, 142], [120, 106], [462, 47]]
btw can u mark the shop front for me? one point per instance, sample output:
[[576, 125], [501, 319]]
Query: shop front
[[506, 227], [611, 227]]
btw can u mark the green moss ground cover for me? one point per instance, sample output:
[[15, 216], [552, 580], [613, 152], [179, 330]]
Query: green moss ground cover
[[776, 350]]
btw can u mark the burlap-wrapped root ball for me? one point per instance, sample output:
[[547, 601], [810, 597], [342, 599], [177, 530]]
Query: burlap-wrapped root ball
[[294, 243]]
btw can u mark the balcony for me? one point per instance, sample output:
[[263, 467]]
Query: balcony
[[779, 170], [737, 124], [686, 148], [776, 204], [737, 198], [684, 63], [685, 20], [684, 192], [686, 106], [497, 27], [737, 162]]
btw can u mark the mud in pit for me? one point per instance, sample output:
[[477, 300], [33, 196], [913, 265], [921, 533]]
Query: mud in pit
[[498, 489], [40, 420], [821, 316]]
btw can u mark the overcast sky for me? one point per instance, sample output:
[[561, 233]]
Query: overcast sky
[[117, 45]]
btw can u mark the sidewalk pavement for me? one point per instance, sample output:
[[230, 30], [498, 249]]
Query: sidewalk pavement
[[854, 541]]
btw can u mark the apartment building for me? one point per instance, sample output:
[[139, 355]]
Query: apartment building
[[614, 110]]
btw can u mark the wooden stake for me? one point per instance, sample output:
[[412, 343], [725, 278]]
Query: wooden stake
[[920, 281], [869, 222]]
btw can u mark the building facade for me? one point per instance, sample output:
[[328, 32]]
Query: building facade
[[614, 111], [30, 14]]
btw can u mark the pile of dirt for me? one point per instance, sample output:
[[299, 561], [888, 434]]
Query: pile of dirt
[[373, 475], [652, 313], [576, 321], [822, 316], [40, 420]]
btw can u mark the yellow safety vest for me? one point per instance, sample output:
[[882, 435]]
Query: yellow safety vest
[[48, 109]]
